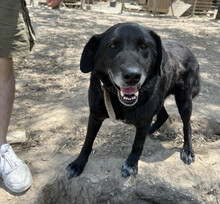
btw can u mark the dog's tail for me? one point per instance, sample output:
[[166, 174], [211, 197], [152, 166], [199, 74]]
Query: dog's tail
[[197, 85]]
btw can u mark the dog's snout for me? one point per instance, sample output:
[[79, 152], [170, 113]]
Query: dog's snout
[[131, 76]]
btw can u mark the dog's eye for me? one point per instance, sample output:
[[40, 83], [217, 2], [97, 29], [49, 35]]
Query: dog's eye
[[143, 46], [112, 46]]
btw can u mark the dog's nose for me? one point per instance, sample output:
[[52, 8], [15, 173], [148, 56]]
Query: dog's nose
[[131, 76]]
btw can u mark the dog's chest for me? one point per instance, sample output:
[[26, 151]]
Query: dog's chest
[[128, 115]]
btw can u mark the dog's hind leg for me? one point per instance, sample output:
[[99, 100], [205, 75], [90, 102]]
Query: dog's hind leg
[[75, 168], [184, 104], [161, 119]]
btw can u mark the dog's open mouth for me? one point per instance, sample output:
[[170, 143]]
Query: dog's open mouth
[[128, 95]]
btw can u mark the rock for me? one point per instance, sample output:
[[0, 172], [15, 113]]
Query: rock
[[162, 178], [16, 137]]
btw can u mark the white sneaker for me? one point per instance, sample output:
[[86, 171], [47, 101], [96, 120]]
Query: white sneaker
[[15, 173]]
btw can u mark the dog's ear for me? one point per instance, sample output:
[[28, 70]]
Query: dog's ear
[[161, 55], [88, 55]]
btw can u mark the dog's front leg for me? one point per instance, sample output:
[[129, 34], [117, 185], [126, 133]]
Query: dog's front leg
[[75, 168], [131, 164]]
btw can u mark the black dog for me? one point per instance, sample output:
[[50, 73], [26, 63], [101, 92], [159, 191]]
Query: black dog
[[132, 73]]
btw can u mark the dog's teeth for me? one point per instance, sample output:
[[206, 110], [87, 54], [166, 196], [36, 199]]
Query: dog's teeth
[[136, 94], [122, 94], [129, 98]]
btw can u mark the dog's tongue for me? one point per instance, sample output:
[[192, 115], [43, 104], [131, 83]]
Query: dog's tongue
[[129, 91]]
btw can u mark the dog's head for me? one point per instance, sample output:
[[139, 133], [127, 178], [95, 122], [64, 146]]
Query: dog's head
[[128, 53]]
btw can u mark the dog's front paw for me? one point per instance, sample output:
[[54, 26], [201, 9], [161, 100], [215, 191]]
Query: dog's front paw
[[74, 169], [128, 170], [187, 156]]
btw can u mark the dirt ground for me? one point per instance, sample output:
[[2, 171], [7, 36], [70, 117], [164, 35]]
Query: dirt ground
[[51, 92]]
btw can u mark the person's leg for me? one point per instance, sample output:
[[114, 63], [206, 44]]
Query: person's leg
[[7, 89], [16, 40], [15, 173]]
